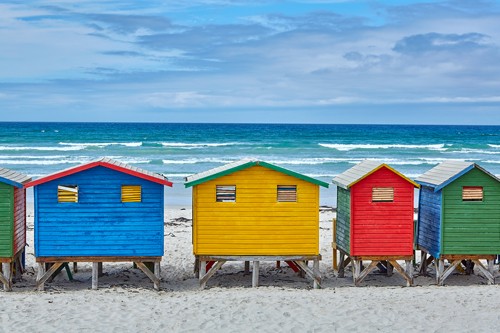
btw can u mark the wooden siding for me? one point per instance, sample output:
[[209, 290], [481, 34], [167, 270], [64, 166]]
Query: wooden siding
[[256, 224], [19, 219], [99, 224], [429, 220], [382, 228], [343, 219], [6, 220], [471, 227]]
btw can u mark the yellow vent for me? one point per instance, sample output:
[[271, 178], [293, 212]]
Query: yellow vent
[[472, 193], [383, 194], [287, 193], [225, 193], [67, 193], [131, 193]]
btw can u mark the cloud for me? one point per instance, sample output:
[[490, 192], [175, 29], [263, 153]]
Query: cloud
[[436, 42]]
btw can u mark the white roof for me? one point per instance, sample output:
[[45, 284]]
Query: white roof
[[14, 176], [355, 173], [444, 172]]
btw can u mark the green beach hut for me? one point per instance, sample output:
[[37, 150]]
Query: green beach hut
[[459, 217], [12, 222]]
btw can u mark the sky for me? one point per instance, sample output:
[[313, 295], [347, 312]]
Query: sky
[[256, 61]]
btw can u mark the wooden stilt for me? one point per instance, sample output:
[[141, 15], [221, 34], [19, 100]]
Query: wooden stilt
[[204, 279], [341, 268], [157, 275], [356, 267], [75, 267], [362, 274], [6, 277], [486, 272], [255, 274], [390, 268], [409, 272], [156, 280], [45, 275], [99, 269], [278, 264], [247, 267], [317, 275], [95, 275], [203, 269]]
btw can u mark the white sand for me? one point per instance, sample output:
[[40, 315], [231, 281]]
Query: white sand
[[126, 301]]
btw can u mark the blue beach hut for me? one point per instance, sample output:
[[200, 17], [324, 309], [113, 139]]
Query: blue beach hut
[[102, 211], [459, 218]]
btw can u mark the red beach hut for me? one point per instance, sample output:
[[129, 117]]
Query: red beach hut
[[374, 218]]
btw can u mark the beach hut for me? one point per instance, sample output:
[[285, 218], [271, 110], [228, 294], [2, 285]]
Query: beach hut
[[375, 208], [251, 210], [12, 223], [102, 211], [459, 217]]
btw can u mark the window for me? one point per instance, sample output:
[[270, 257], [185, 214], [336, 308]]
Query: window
[[287, 193], [225, 193], [67, 193], [383, 194], [131, 193], [472, 193]]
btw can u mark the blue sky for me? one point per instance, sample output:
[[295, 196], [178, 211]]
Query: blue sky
[[306, 61]]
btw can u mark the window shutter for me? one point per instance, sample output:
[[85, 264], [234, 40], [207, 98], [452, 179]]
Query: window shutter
[[472, 193], [67, 193], [383, 194], [287, 193], [225, 193], [131, 193]]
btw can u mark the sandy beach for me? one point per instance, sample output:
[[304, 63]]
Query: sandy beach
[[284, 302]]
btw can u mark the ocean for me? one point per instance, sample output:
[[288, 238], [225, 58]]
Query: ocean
[[179, 150]]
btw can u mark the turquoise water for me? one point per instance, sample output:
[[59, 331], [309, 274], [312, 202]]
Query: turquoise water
[[178, 150]]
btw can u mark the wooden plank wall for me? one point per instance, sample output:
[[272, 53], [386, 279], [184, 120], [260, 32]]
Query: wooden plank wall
[[429, 220], [382, 228], [6, 218], [19, 219], [256, 224], [472, 227], [99, 224], [343, 219]]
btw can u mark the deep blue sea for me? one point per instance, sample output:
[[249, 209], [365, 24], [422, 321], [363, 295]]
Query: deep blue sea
[[178, 150]]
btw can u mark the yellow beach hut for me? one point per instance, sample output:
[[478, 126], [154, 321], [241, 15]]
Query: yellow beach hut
[[251, 210]]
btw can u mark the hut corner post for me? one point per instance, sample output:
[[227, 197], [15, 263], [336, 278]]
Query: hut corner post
[[359, 273], [443, 273], [6, 276]]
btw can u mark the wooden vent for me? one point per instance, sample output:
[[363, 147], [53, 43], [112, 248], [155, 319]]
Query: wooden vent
[[472, 193], [67, 193], [225, 193], [131, 193], [383, 194], [287, 193]]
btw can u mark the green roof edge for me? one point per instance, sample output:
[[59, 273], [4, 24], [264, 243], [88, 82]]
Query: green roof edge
[[261, 163]]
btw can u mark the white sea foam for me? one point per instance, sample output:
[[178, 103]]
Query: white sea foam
[[492, 162], [347, 147], [197, 160], [18, 148], [183, 145], [476, 151], [42, 162], [84, 145], [494, 146]]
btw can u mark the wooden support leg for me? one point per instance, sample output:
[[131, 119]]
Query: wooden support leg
[[99, 269], [40, 274], [341, 271], [423, 261], [95, 275], [75, 267], [491, 270], [255, 274], [356, 268], [157, 275], [202, 271], [6, 276], [247, 267], [486, 272], [390, 268], [362, 274], [409, 272], [204, 279], [143, 267], [317, 276], [440, 271], [401, 271], [196, 268], [278, 264]]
